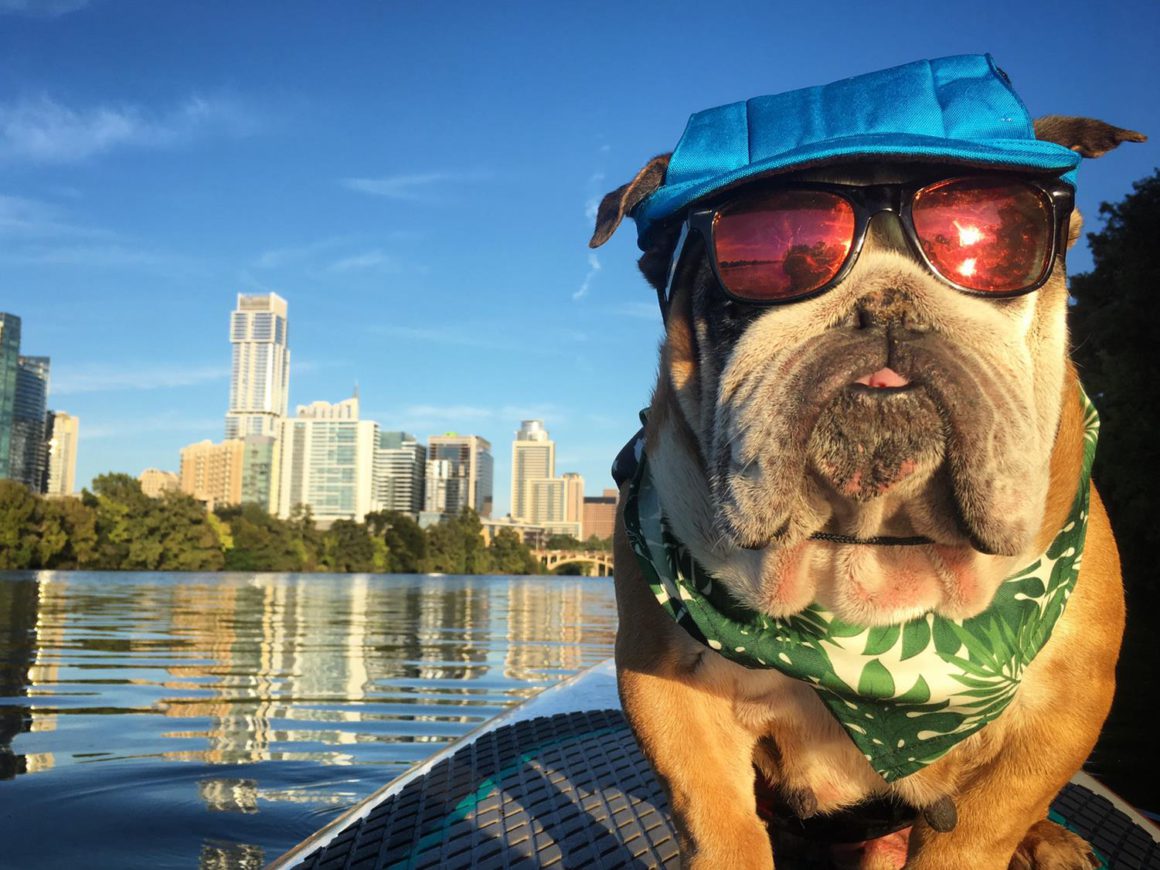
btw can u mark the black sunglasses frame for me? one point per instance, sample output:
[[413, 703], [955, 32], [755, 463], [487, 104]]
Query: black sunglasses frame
[[868, 201]]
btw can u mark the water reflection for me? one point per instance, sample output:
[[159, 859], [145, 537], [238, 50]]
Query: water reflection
[[227, 698]]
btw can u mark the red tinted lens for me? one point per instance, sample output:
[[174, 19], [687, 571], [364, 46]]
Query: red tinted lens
[[990, 235], [783, 244]]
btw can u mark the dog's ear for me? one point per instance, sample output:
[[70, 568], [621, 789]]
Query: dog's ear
[[1087, 136], [625, 198]]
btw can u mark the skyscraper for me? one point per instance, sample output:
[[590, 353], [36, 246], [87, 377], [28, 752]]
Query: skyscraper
[[327, 461], [62, 431], [400, 464], [212, 473], [469, 475], [533, 458], [260, 376], [9, 364], [28, 451], [574, 501]]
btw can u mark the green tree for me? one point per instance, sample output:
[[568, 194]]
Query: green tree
[[405, 542], [597, 543], [348, 547], [185, 535], [509, 555], [260, 542], [307, 537], [1115, 327], [72, 521], [562, 542], [476, 559], [18, 526], [445, 550]]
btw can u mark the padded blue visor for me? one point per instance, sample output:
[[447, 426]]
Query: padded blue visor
[[953, 110]]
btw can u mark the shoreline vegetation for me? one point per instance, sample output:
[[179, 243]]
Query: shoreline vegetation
[[116, 527]]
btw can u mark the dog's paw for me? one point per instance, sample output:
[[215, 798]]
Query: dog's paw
[[1047, 846]]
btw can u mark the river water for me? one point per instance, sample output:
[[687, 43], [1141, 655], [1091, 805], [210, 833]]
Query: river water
[[214, 720]]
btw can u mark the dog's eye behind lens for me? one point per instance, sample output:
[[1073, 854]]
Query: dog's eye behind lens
[[985, 235], [782, 245]]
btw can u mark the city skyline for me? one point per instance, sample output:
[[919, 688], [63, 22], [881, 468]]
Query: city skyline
[[427, 221]]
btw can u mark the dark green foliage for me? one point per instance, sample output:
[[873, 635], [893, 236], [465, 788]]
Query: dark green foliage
[[509, 555], [405, 542], [563, 542], [347, 547], [1115, 327], [260, 542], [117, 527]]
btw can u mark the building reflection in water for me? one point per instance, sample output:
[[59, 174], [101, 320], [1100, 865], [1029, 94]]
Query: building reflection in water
[[313, 670]]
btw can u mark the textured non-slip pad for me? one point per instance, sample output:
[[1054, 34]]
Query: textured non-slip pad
[[574, 791]]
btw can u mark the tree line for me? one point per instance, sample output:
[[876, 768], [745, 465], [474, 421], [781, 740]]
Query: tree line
[[116, 527]]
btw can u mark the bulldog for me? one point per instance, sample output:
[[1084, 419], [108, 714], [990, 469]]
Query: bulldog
[[848, 550]]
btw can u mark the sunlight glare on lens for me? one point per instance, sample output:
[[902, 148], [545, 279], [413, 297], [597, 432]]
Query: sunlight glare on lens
[[968, 235], [967, 267]]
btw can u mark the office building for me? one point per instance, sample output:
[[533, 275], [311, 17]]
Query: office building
[[28, 450], [9, 365], [533, 458], [574, 501], [600, 514], [260, 374], [400, 469], [261, 457], [468, 480], [212, 473], [327, 461], [155, 482], [61, 432]]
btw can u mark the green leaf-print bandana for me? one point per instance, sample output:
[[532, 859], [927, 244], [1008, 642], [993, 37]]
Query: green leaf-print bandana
[[905, 694]]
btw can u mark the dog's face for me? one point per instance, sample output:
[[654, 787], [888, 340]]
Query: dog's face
[[891, 405], [799, 436]]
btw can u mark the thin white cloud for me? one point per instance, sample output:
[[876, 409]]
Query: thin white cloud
[[412, 187], [91, 257], [276, 258], [44, 131], [25, 218], [426, 419], [101, 378], [372, 260], [41, 8], [585, 285]]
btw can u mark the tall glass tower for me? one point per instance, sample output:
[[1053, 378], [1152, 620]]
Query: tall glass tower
[[28, 450], [9, 364], [260, 377]]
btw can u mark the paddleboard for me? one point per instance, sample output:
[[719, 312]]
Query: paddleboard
[[560, 782]]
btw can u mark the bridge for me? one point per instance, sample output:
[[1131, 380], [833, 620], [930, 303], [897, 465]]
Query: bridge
[[601, 560]]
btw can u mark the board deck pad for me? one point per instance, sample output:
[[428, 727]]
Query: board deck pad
[[574, 791]]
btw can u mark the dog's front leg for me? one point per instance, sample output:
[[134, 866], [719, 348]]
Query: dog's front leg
[[685, 724], [704, 759]]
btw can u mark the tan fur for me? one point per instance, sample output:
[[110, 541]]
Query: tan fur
[[705, 723]]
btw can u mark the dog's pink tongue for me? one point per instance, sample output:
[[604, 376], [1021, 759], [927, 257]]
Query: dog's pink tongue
[[883, 378]]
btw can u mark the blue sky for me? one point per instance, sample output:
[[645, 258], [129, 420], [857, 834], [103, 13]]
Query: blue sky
[[418, 179]]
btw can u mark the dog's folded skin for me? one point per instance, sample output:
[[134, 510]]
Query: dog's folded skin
[[768, 426]]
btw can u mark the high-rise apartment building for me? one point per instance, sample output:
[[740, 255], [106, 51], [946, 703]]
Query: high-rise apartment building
[[28, 450], [574, 501], [400, 469], [261, 457], [9, 364], [260, 376], [533, 458], [469, 474], [155, 482], [212, 473], [327, 461], [61, 432], [600, 514]]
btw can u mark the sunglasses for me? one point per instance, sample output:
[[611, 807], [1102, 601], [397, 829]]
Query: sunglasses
[[985, 235]]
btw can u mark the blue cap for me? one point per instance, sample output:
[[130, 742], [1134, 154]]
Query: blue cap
[[955, 109]]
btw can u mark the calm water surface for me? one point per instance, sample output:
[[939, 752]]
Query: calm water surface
[[214, 720]]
